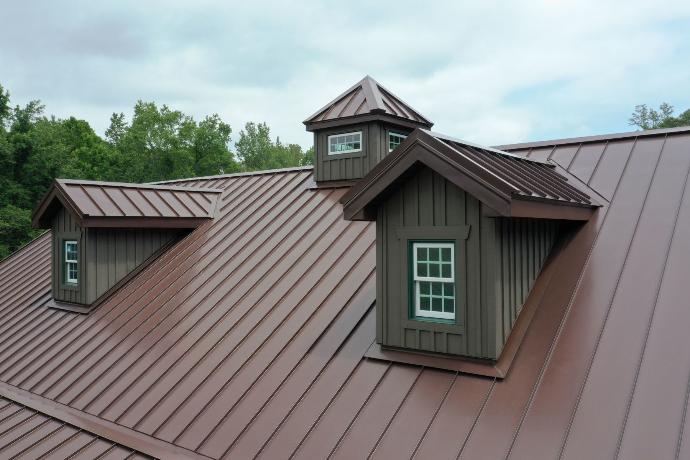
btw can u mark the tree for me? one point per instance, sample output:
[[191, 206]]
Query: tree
[[161, 144], [646, 118], [257, 151]]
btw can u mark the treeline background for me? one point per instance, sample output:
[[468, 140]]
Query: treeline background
[[157, 143]]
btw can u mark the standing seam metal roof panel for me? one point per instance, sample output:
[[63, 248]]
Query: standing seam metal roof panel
[[247, 338]]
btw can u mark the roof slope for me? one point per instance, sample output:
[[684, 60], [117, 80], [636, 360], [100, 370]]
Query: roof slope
[[96, 203], [367, 96], [247, 338], [510, 184], [26, 433]]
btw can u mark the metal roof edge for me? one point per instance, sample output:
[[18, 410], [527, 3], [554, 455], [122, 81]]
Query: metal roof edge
[[239, 174], [595, 138], [100, 427], [152, 186]]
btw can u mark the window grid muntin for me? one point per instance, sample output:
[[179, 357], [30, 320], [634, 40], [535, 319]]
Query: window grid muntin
[[345, 143], [394, 140], [435, 285], [71, 248]]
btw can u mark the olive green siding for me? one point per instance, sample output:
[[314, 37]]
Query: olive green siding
[[106, 256], [350, 166], [496, 261]]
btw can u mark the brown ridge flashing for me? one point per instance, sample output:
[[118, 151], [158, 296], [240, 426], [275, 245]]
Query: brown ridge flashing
[[595, 138], [98, 426], [239, 174], [151, 186]]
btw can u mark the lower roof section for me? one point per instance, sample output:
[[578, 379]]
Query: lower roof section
[[248, 338], [28, 433]]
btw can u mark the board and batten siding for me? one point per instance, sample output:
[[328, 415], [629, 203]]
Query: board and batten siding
[[497, 261], [65, 228], [106, 256], [352, 166], [114, 253]]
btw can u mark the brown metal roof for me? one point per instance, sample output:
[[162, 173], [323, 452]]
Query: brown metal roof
[[510, 184], [247, 338], [114, 204], [27, 433], [367, 97]]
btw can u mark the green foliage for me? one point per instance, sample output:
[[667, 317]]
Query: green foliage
[[647, 118], [157, 144], [257, 151], [15, 228]]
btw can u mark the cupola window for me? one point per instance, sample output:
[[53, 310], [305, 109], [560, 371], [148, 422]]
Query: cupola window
[[345, 143], [433, 280], [394, 140]]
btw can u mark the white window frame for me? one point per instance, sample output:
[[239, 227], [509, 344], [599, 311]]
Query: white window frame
[[69, 262], [393, 133], [358, 133], [441, 279]]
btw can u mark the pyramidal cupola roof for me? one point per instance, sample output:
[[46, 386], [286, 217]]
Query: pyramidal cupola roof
[[366, 99]]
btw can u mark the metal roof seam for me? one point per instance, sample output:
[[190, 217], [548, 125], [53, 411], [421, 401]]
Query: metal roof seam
[[608, 310], [323, 276], [359, 411], [66, 388], [122, 312], [656, 301], [160, 376]]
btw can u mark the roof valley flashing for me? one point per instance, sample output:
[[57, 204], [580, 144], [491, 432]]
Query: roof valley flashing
[[463, 231], [104, 233]]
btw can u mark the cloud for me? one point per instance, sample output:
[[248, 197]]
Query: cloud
[[491, 72]]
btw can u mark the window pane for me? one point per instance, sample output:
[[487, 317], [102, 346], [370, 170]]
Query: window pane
[[424, 303], [424, 287], [436, 304], [433, 270], [421, 253], [449, 305], [421, 269], [445, 270], [436, 288], [433, 253], [448, 290], [445, 254]]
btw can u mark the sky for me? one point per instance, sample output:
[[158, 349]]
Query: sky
[[486, 71]]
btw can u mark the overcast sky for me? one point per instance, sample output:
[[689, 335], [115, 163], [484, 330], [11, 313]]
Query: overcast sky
[[490, 72]]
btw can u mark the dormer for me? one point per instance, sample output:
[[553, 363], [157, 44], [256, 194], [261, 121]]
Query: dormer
[[358, 129], [103, 233], [463, 232]]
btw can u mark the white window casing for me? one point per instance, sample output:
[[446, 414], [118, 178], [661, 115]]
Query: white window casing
[[345, 143]]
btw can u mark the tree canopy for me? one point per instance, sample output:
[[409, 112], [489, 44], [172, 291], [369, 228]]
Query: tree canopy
[[157, 143], [648, 118]]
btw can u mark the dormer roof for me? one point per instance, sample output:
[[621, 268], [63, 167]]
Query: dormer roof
[[366, 99], [116, 204], [510, 185]]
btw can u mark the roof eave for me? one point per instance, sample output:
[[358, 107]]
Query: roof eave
[[370, 116]]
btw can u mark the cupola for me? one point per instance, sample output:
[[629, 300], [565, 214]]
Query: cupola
[[103, 233], [358, 129], [462, 233]]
